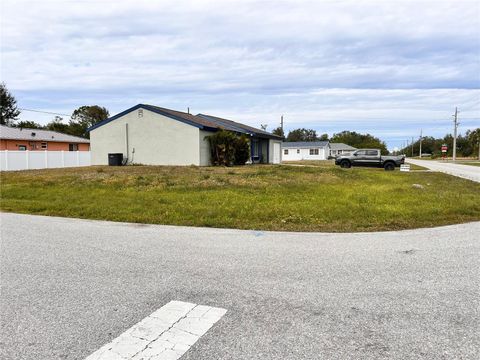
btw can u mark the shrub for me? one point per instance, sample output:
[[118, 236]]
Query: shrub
[[227, 148]]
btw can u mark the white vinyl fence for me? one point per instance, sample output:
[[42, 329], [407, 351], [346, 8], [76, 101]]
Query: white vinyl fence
[[24, 160]]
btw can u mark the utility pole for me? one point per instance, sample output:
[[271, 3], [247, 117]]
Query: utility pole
[[421, 138], [455, 126], [412, 146], [281, 123]]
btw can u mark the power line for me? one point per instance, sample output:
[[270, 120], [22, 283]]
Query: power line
[[44, 112]]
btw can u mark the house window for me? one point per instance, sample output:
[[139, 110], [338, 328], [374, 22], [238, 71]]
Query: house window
[[22, 147], [140, 113], [44, 146], [298, 151], [313, 151], [285, 152], [72, 147]]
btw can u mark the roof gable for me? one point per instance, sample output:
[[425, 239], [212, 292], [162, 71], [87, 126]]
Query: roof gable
[[201, 121], [173, 114], [341, 146]]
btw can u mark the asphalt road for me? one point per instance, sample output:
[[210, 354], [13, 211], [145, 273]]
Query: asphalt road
[[460, 170], [69, 286]]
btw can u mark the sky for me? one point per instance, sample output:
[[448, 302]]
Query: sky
[[389, 68]]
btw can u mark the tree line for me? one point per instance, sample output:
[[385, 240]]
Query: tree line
[[81, 119], [351, 138], [467, 145]]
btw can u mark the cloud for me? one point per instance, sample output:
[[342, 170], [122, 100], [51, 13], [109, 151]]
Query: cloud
[[324, 64]]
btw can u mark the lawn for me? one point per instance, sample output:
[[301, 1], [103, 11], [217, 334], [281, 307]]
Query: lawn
[[269, 197]]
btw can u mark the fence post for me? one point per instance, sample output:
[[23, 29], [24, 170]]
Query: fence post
[[6, 159], [63, 158], [78, 158], [46, 159], [26, 158]]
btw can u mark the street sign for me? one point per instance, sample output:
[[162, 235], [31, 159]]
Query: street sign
[[444, 148]]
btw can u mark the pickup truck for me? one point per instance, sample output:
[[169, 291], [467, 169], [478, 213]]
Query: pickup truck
[[369, 157]]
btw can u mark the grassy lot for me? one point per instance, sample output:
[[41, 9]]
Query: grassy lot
[[320, 198]]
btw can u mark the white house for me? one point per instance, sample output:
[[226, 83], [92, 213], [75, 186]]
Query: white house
[[340, 148], [315, 150], [152, 135]]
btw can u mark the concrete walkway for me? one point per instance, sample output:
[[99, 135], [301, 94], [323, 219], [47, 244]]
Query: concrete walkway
[[459, 170]]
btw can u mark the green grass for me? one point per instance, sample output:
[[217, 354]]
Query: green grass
[[320, 198]]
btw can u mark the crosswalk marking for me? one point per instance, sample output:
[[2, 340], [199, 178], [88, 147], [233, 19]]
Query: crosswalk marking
[[166, 334]]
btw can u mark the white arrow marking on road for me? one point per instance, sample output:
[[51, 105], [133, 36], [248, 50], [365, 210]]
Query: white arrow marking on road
[[166, 334]]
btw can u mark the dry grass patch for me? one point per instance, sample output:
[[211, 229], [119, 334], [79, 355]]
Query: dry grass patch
[[269, 197]]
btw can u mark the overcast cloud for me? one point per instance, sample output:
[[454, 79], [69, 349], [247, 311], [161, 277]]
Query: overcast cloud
[[386, 67]]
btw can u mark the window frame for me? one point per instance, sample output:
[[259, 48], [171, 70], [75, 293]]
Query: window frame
[[285, 151]]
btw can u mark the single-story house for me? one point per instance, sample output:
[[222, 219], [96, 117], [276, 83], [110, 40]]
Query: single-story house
[[340, 149], [152, 135], [314, 150], [13, 138]]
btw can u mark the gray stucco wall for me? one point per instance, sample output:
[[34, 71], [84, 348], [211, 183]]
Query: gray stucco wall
[[157, 140]]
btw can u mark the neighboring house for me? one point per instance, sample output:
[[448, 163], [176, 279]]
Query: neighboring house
[[12, 138], [315, 150], [340, 149], [152, 135]]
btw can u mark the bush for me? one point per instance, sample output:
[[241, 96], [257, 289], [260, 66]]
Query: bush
[[227, 148], [242, 150]]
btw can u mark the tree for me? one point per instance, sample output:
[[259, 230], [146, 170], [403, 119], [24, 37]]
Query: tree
[[228, 149], [357, 140], [8, 106], [85, 117], [27, 124], [323, 137], [279, 132], [57, 125], [302, 135]]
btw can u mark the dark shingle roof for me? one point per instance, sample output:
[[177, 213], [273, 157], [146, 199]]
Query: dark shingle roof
[[206, 122], [305, 144], [238, 127]]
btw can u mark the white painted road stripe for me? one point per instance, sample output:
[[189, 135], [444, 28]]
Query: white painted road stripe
[[166, 334]]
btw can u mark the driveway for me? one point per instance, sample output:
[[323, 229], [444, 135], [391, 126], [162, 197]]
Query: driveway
[[460, 170], [69, 286]]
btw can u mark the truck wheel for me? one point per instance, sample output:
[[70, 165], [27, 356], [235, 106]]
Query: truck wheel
[[345, 164], [389, 166]]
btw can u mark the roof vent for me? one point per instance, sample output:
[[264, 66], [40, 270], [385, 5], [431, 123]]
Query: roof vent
[[33, 134]]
